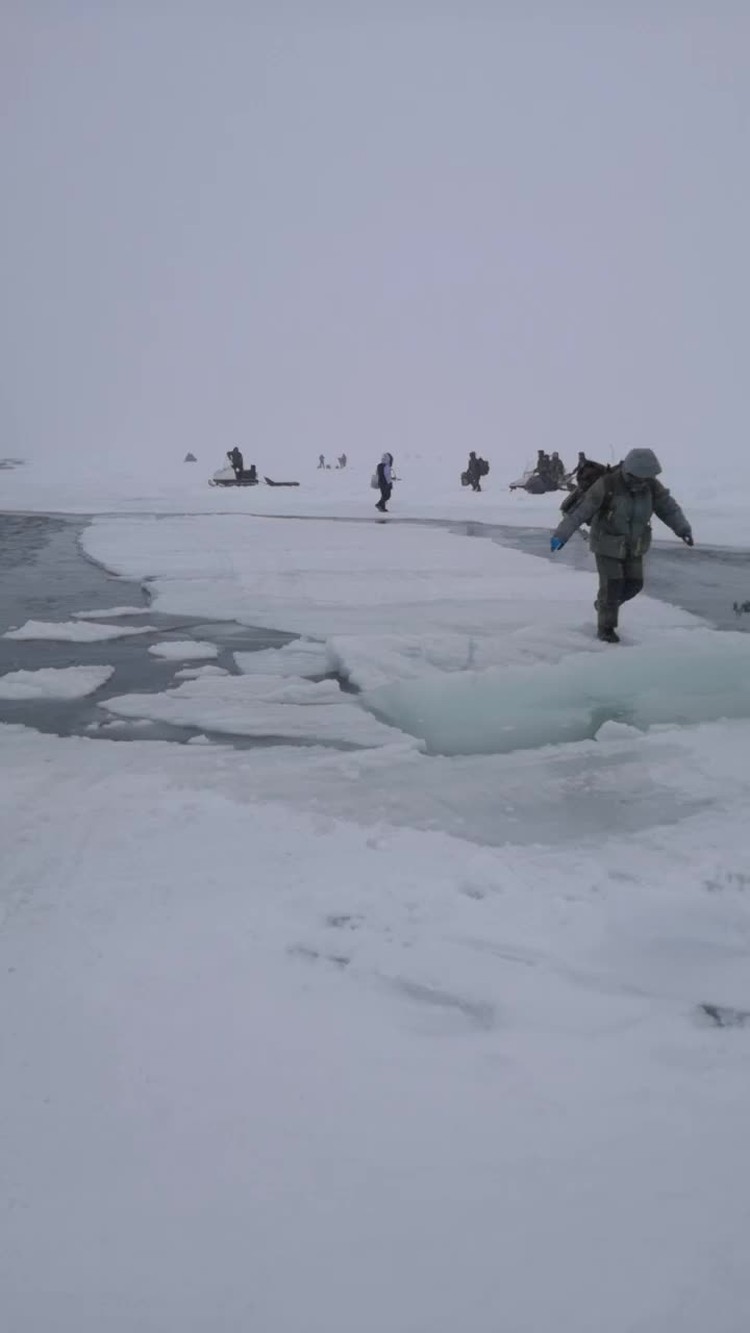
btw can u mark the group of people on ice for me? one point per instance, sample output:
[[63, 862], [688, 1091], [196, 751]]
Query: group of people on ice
[[548, 474], [616, 502], [551, 469]]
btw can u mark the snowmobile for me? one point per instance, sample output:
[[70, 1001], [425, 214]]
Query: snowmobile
[[534, 483], [226, 476]]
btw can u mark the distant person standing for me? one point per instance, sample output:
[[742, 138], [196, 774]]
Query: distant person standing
[[544, 466], [321, 461], [384, 475], [341, 461], [557, 468], [473, 471], [237, 462]]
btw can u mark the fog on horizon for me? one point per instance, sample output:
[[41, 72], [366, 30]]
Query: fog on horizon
[[304, 227]]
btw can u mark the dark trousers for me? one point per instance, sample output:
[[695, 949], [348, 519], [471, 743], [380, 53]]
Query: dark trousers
[[619, 580], [385, 495]]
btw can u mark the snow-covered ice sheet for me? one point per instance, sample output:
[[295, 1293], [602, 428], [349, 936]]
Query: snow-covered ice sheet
[[54, 682], [370, 660], [179, 650], [120, 725], [264, 707], [74, 631], [324, 580], [300, 658], [689, 676], [250, 1033], [195, 673], [112, 612]]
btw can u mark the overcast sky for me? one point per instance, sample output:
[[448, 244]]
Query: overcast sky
[[315, 225]]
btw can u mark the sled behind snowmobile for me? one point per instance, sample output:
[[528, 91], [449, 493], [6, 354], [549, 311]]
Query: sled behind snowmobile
[[227, 476]]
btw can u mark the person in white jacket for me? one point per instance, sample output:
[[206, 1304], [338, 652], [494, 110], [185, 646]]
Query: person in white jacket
[[385, 481]]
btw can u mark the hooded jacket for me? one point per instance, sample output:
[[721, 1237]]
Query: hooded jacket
[[620, 514], [385, 470]]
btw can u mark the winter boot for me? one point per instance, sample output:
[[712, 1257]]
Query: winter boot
[[607, 616]]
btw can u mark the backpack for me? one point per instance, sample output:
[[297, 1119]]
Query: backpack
[[483, 467], [588, 473]]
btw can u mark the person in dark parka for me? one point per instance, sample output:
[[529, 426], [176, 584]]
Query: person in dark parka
[[619, 507], [473, 472], [385, 481], [237, 461]]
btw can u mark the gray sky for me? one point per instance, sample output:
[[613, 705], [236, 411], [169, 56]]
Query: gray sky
[[314, 225]]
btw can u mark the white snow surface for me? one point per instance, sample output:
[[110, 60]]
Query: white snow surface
[[54, 682], [255, 1035], [179, 650], [403, 585], [74, 631], [317, 1039], [301, 658]]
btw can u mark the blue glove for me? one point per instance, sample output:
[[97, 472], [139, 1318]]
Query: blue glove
[[555, 544]]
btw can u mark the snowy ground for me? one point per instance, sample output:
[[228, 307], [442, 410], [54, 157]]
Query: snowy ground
[[249, 1045], [445, 1029]]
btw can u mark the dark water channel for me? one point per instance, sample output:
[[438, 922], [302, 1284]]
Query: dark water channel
[[45, 575]]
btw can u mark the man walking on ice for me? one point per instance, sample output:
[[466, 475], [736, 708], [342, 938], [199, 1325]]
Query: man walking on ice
[[619, 507]]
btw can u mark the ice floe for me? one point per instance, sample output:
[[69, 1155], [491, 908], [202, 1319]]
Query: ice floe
[[54, 682]]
